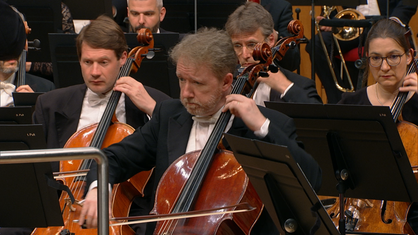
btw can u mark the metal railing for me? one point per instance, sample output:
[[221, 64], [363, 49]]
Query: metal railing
[[50, 155]]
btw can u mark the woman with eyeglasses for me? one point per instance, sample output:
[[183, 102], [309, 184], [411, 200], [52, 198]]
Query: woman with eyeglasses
[[389, 57]]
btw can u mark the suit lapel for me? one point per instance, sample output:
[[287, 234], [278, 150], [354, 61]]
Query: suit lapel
[[68, 116], [178, 135]]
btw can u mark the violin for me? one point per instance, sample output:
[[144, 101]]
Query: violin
[[100, 135]]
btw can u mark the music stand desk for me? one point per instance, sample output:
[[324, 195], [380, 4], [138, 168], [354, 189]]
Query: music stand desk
[[368, 142], [16, 115], [281, 185], [27, 200]]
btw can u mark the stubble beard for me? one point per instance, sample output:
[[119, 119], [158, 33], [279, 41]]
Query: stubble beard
[[200, 109]]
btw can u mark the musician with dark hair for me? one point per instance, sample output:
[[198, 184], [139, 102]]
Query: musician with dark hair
[[389, 56]]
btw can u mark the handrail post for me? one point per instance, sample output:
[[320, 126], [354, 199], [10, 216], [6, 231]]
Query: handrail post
[[51, 155]]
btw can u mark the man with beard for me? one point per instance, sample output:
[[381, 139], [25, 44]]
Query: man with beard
[[205, 64], [12, 43], [146, 14]]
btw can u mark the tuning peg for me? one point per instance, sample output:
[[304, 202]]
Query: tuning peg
[[273, 68], [263, 74], [149, 55]]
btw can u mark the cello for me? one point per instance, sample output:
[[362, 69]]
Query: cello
[[211, 178], [21, 77], [101, 135], [381, 215]]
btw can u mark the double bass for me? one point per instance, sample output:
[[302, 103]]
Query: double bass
[[101, 135]]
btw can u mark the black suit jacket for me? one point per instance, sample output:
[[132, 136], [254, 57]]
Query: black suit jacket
[[302, 91], [59, 112], [164, 139], [37, 84]]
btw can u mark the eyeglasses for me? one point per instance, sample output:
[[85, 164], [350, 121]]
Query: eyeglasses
[[239, 47], [392, 60]]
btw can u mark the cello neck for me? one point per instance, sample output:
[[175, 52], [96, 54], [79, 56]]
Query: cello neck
[[22, 70], [197, 175], [106, 119], [396, 108]]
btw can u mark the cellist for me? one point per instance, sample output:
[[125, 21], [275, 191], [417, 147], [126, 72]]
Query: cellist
[[250, 24], [12, 45], [205, 62], [388, 59], [102, 51]]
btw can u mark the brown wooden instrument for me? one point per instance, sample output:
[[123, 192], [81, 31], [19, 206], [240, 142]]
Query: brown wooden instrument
[[211, 178], [101, 135]]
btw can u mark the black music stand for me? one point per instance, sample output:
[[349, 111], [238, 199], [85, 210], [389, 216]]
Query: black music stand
[[25, 98], [158, 72], [43, 17], [89, 10], [282, 187], [16, 115], [186, 16], [359, 141], [27, 199]]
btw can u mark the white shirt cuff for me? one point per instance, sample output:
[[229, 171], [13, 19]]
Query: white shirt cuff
[[94, 185], [264, 130], [285, 91]]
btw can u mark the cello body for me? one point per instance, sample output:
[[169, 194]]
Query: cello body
[[101, 135], [122, 194], [225, 184]]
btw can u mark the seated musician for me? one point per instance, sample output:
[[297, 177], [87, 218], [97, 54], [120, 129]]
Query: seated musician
[[388, 58], [250, 24], [102, 51], [205, 63], [12, 44]]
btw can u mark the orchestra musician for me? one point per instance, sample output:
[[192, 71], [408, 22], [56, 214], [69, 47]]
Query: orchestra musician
[[102, 51], [12, 44], [146, 13], [388, 58], [250, 24], [205, 63]]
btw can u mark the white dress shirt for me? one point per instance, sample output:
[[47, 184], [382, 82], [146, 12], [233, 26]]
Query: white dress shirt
[[6, 98], [94, 106], [369, 9]]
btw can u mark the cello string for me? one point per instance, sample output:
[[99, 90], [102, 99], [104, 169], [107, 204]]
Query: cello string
[[204, 160]]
